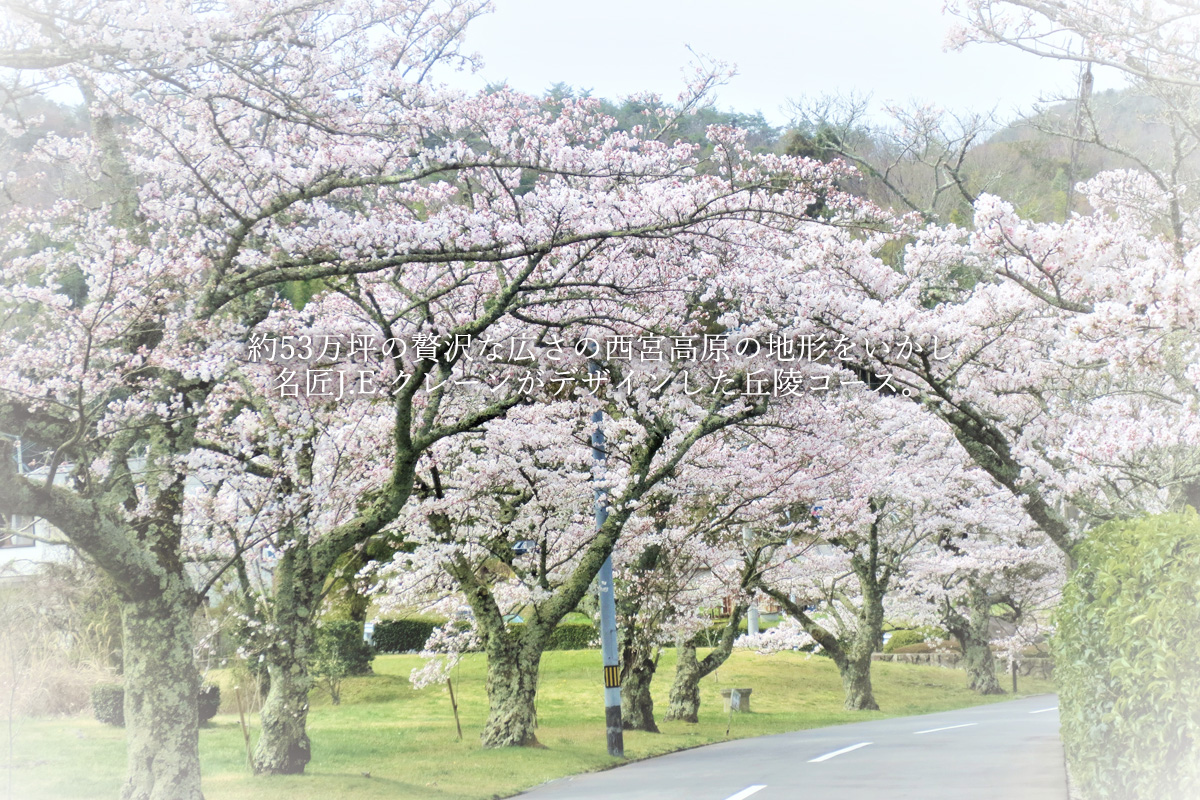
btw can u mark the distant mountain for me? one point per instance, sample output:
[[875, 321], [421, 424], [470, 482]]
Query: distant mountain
[[1029, 162]]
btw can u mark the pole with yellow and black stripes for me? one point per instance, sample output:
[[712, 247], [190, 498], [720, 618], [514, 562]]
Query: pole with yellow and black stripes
[[608, 606]]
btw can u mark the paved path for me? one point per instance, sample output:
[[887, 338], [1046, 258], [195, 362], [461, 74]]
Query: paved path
[[1004, 751]]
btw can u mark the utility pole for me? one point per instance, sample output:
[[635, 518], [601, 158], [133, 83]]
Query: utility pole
[[752, 614], [608, 605], [1081, 110]]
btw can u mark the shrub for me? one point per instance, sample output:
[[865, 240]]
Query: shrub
[[574, 636], [907, 638], [108, 703], [341, 652], [345, 638], [569, 635], [406, 635], [900, 639], [209, 701], [1126, 649], [402, 635]]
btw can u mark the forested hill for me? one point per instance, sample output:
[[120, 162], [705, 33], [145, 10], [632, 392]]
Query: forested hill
[[1028, 162]]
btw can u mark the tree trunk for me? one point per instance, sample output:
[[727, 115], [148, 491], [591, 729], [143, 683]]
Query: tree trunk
[[972, 634], [855, 662], [856, 682], [685, 689], [284, 748], [981, 667], [161, 685], [359, 604], [512, 676], [637, 707]]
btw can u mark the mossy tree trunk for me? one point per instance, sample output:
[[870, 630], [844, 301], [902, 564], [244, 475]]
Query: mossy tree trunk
[[291, 607], [684, 701], [980, 664], [685, 689], [284, 747], [855, 672], [161, 685], [514, 660], [638, 641], [637, 706], [855, 664], [972, 632]]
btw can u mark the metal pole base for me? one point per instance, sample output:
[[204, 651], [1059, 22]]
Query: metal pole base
[[616, 736]]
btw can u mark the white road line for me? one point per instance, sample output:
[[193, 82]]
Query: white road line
[[1044, 710], [828, 756], [749, 790], [948, 728]]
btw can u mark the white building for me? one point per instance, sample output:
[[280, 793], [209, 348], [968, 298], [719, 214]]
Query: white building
[[27, 542]]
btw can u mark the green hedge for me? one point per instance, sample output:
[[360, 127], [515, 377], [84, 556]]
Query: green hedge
[[907, 638], [108, 703], [342, 641], [569, 635], [401, 635], [405, 635], [574, 636], [1127, 660]]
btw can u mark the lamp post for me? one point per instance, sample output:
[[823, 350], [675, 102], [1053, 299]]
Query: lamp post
[[608, 606]]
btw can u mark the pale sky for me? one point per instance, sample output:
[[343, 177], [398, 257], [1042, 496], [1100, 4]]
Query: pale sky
[[891, 49]]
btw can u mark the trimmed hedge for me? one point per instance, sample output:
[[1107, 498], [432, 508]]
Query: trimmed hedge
[[401, 635], [1126, 652], [108, 703], [407, 635], [907, 638], [574, 636], [569, 636], [341, 641]]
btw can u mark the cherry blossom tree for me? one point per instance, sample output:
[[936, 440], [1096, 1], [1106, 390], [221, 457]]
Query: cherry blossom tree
[[431, 399], [960, 578], [281, 476], [531, 480], [1060, 354], [880, 488], [667, 581], [236, 148], [735, 484], [473, 506]]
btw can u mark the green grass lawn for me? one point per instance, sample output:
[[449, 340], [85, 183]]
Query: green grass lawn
[[406, 741]]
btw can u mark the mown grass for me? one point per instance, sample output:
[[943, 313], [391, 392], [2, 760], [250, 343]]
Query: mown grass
[[405, 740]]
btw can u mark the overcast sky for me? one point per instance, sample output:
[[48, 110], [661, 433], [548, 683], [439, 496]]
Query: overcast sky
[[892, 49]]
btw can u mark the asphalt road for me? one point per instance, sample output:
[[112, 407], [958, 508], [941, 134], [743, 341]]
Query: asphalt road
[[1004, 751]]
